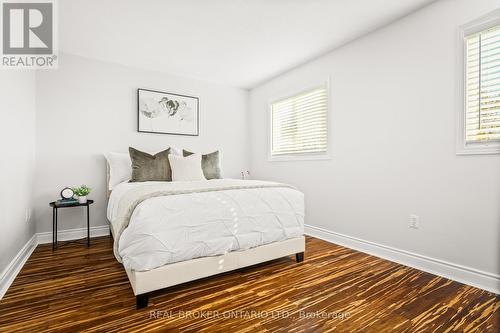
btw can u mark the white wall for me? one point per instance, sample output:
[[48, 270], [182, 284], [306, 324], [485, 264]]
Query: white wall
[[88, 107], [17, 165], [393, 142]]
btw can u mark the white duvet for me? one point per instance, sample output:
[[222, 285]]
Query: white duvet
[[172, 228]]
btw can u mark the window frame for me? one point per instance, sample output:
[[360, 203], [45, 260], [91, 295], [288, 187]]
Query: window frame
[[326, 155], [462, 147]]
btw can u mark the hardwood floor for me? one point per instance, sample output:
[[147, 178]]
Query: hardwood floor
[[335, 289]]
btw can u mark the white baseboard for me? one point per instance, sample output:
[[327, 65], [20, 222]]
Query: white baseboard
[[71, 234], [14, 267], [459, 273]]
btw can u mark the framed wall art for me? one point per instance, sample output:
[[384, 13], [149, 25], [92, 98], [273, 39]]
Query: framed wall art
[[167, 113]]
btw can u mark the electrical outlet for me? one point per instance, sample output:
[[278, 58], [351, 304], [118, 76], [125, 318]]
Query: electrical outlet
[[414, 221], [27, 217]]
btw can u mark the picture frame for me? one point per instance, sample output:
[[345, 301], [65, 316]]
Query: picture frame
[[167, 113]]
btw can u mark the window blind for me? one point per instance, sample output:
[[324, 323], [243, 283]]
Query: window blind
[[482, 88], [299, 123]]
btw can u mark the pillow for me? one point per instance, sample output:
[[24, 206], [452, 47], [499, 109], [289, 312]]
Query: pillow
[[210, 163], [147, 167], [175, 151], [120, 168], [186, 168]]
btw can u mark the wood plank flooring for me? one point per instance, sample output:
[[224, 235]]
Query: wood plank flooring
[[77, 289]]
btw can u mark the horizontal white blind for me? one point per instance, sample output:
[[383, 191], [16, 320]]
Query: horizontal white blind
[[482, 89], [299, 123]]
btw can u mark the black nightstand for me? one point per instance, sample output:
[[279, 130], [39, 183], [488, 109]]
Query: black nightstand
[[55, 206]]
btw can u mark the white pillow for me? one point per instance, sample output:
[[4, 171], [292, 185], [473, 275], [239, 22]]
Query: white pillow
[[175, 151], [186, 168], [120, 168]]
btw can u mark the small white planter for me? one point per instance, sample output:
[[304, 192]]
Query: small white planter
[[82, 199]]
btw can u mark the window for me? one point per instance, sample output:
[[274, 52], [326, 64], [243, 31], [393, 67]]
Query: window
[[299, 125], [480, 128], [483, 86]]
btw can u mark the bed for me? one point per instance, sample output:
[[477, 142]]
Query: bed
[[168, 233]]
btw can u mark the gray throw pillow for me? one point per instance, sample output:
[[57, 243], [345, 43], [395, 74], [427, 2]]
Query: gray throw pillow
[[147, 167], [210, 163]]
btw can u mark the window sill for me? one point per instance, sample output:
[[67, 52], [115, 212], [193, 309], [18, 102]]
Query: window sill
[[288, 158], [479, 149]]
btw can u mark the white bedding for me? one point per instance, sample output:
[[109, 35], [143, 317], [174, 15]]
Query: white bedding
[[172, 228]]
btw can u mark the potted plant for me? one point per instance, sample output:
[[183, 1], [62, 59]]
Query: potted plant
[[82, 193]]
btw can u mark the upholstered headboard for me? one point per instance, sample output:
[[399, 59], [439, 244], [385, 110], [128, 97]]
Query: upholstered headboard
[[108, 191]]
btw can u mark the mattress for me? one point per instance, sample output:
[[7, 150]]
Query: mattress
[[214, 219]]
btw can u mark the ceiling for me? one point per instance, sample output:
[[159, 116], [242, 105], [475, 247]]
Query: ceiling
[[234, 42]]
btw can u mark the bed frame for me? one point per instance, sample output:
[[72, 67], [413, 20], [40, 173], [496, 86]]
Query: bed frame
[[180, 272], [143, 283]]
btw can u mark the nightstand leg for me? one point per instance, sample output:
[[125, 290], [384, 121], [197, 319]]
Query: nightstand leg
[[88, 226], [56, 228], [53, 228]]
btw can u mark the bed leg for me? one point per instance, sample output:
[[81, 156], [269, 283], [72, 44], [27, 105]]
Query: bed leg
[[142, 301], [299, 256]]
